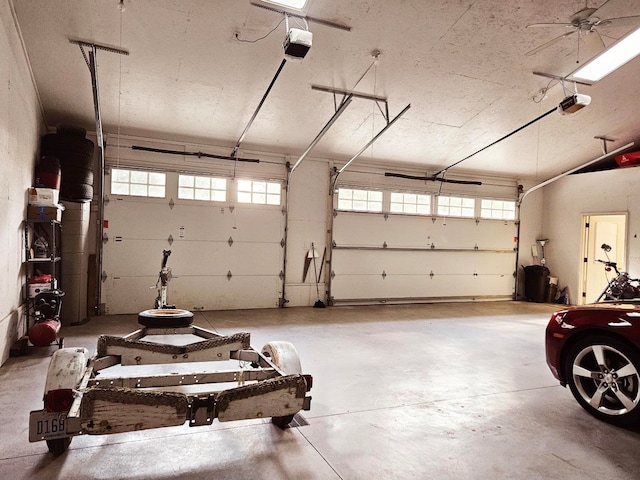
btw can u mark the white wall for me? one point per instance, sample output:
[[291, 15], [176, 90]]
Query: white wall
[[566, 200], [308, 202], [20, 126]]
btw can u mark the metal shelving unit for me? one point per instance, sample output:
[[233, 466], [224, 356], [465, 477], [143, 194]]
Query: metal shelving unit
[[50, 231]]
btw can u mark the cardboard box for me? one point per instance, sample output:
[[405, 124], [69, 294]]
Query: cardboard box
[[36, 288], [43, 214], [47, 197]]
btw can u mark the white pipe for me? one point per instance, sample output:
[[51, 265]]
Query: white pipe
[[557, 177]]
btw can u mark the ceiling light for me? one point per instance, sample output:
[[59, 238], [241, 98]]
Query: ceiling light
[[610, 59], [297, 4]]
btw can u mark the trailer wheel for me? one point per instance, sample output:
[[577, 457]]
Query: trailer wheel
[[165, 318], [58, 446], [285, 356]]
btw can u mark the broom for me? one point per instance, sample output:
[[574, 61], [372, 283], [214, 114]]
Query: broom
[[319, 303]]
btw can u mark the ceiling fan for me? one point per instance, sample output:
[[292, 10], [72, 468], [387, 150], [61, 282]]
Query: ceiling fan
[[585, 22]]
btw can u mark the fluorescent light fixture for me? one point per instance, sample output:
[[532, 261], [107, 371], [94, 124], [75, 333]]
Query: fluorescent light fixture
[[297, 4], [625, 49]]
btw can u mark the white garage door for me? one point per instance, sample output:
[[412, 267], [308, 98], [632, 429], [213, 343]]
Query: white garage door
[[223, 255], [379, 257]]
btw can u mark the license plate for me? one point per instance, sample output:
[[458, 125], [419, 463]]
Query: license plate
[[45, 425]]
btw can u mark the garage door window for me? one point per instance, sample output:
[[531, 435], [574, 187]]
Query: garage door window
[[456, 206], [138, 183], [498, 209], [359, 200], [410, 203], [192, 187], [259, 193]]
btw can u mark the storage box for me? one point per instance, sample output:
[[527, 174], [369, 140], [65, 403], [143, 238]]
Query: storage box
[[630, 159], [47, 197], [40, 213], [36, 288]]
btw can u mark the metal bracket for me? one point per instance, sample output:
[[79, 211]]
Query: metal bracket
[[229, 275], [202, 411], [604, 143], [105, 237]]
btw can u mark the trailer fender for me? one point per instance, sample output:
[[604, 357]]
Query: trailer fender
[[66, 368]]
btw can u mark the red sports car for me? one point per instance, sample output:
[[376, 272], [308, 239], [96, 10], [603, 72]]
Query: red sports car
[[595, 349]]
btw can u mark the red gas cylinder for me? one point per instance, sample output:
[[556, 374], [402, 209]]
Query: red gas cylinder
[[44, 333]]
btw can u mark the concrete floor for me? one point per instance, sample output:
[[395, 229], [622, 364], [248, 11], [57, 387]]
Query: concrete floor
[[444, 391]]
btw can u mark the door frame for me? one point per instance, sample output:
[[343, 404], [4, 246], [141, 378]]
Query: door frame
[[587, 230]]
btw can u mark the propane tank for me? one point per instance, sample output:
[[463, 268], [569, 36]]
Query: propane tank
[[44, 332]]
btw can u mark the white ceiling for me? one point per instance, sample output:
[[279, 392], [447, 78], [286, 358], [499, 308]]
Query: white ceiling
[[461, 64]]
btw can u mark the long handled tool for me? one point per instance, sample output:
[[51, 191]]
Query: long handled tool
[[319, 303]]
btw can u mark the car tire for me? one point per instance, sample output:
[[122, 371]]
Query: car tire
[[78, 192], [284, 356], [165, 318], [603, 374], [58, 446]]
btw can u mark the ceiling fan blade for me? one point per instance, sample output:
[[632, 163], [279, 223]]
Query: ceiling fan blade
[[593, 41], [536, 25], [549, 43], [631, 21], [604, 10]]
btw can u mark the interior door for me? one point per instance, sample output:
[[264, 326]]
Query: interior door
[[599, 229]]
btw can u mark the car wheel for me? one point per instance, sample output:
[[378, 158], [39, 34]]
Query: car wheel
[[284, 356], [165, 318], [58, 446], [603, 374]]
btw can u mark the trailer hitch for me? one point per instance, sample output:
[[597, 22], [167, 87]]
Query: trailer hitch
[[202, 410]]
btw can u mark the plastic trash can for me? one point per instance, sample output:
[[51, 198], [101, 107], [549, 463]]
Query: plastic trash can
[[536, 283]]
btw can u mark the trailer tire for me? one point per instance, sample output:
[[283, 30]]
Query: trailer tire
[[165, 318], [58, 446], [285, 356]]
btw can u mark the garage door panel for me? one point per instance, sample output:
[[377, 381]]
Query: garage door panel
[[135, 294], [354, 287], [371, 262], [209, 258], [118, 255], [466, 233], [197, 258], [149, 215], [445, 258], [129, 294], [193, 222], [207, 241], [359, 229], [220, 293], [371, 230]]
